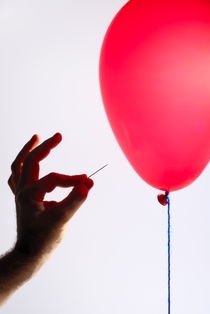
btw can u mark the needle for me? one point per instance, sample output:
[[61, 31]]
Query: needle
[[97, 171]]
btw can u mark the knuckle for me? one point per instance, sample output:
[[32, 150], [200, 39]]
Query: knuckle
[[28, 158], [22, 196], [14, 166], [48, 183], [52, 174], [9, 181]]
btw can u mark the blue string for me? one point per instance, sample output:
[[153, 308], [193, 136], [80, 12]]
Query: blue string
[[169, 255]]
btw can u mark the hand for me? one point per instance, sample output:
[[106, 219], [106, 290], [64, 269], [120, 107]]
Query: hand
[[40, 223]]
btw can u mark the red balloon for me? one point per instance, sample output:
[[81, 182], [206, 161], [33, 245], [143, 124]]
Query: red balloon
[[155, 85]]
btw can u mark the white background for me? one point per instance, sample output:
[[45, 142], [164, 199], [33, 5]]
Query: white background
[[114, 255]]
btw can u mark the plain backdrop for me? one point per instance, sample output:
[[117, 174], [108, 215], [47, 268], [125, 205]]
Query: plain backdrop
[[114, 255]]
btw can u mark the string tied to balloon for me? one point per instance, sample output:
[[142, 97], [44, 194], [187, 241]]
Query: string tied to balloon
[[165, 200]]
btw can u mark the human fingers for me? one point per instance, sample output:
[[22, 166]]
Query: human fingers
[[69, 205], [18, 162], [48, 183], [11, 184], [30, 170]]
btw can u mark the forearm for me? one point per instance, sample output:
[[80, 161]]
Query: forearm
[[15, 269]]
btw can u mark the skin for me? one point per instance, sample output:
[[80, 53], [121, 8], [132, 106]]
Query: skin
[[40, 223]]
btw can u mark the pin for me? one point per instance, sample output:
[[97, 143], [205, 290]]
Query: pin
[[97, 171]]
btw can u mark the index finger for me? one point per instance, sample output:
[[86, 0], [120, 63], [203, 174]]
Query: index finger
[[30, 170], [48, 183]]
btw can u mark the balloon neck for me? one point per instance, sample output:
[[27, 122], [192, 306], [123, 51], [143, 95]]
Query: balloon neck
[[163, 198]]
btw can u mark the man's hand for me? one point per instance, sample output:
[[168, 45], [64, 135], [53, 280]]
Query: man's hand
[[39, 223]]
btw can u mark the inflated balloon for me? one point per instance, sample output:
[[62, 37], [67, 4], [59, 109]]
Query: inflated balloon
[[155, 85]]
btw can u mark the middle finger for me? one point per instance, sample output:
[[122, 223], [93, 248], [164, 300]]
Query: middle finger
[[30, 170]]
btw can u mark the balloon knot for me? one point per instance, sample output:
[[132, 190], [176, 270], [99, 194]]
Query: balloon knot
[[163, 198]]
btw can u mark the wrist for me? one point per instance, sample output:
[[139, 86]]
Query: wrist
[[23, 248], [37, 250], [29, 246]]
